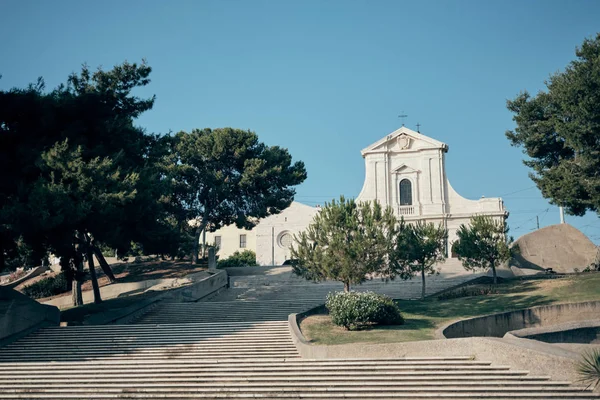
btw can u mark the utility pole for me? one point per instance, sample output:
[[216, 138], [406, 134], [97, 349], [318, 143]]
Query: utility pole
[[562, 215], [537, 218]]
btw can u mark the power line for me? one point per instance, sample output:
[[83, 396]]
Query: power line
[[517, 191]]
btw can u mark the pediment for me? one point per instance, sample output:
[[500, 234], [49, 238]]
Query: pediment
[[404, 139], [405, 169]]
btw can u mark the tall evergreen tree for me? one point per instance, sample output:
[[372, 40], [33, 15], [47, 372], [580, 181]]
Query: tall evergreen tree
[[559, 131], [83, 173], [225, 176]]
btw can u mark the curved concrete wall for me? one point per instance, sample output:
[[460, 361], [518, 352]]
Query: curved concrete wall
[[37, 271], [497, 325], [584, 332], [21, 315]]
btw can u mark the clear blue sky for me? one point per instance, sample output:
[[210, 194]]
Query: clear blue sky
[[325, 78]]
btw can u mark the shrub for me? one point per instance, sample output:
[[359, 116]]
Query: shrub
[[16, 275], [467, 292], [47, 287], [589, 368], [246, 258], [354, 310]]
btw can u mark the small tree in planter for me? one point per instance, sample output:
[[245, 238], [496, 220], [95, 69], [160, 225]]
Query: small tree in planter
[[483, 244], [346, 242], [420, 247]]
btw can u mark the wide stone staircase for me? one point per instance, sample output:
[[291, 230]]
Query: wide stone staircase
[[225, 311], [239, 347]]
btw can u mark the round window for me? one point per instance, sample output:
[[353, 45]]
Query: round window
[[285, 240]]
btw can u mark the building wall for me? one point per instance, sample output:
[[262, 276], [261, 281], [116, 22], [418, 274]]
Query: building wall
[[406, 154], [230, 240], [276, 232], [265, 239], [403, 154]]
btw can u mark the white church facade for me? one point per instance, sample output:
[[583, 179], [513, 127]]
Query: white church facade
[[404, 170]]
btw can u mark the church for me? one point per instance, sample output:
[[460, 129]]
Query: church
[[405, 170]]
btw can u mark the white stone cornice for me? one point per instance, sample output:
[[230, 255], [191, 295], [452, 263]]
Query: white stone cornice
[[382, 145], [405, 169]]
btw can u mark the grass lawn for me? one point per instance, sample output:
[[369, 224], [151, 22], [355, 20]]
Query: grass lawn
[[424, 317]]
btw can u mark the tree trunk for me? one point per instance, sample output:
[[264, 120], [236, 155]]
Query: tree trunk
[[77, 278], [203, 244], [346, 287], [494, 272], [94, 279], [103, 264], [2, 261], [423, 287], [196, 245]]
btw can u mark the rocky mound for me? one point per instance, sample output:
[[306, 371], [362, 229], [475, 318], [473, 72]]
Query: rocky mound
[[561, 247]]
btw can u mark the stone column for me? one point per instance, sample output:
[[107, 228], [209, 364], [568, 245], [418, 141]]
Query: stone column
[[212, 259]]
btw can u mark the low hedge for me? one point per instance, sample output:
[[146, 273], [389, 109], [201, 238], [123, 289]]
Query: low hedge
[[359, 310], [246, 258], [47, 287]]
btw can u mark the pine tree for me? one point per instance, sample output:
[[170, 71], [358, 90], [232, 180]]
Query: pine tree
[[227, 176], [419, 247], [347, 242], [559, 131], [483, 244]]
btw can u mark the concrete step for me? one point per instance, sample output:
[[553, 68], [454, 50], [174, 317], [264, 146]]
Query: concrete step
[[248, 367], [288, 385], [232, 368], [102, 328], [385, 364], [167, 356], [481, 392], [201, 319], [227, 311], [306, 396], [265, 333], [309, 379], [133, 342], [202, 363]]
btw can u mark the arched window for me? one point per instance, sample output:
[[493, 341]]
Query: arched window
[[405, 193]]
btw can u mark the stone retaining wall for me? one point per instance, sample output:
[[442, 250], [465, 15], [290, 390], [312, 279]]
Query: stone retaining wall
[[21, 315], [583, 332], [37, 271], [497, 325], [192, 286]]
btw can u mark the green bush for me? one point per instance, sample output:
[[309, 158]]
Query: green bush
[[246, 258], [467, 292], [47, 287], [354, 310]]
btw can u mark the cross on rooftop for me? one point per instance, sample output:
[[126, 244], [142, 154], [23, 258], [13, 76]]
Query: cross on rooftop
[[402, 116]]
